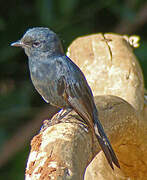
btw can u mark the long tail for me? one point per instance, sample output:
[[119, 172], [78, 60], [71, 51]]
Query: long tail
[[104, 143]]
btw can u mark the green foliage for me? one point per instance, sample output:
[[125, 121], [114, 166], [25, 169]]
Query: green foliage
[[142, 56], [15, 168], [70, 19]]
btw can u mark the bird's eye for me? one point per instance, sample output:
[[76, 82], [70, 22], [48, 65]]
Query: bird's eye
[[36, 44]]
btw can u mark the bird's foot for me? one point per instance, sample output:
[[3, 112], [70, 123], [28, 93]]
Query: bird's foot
[[46, 123], [49, 122], [59, 118]]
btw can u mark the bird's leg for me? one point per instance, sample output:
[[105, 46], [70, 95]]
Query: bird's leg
[[62, 114]]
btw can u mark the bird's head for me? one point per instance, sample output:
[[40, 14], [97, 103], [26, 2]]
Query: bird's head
[[39, 40]]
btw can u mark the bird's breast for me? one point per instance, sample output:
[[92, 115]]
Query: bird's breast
[[45, 80]]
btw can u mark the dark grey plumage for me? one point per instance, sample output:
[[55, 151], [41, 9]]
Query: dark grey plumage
[[60, 82]]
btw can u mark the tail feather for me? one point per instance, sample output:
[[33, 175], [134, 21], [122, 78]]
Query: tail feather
[[105, 145], [105, 150]]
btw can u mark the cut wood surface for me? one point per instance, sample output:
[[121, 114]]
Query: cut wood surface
[[110, 67], [68, 150]]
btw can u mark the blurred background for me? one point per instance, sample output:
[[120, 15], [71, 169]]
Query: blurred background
[[22, 110]]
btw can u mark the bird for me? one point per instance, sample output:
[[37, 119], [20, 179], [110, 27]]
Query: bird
[[61, 83]]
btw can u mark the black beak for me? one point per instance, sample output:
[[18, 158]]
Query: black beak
[[17, 44]]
